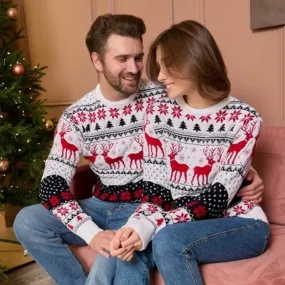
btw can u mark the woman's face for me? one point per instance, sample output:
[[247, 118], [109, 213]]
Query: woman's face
[[175, 86]]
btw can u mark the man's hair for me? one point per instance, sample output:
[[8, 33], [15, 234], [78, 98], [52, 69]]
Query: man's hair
[[189, 51], [106, 25]]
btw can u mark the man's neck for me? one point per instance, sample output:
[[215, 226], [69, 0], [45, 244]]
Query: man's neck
[[109, 93]]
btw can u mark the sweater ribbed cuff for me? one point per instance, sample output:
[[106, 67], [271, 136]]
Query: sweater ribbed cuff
[[88, 230], [144, 228]]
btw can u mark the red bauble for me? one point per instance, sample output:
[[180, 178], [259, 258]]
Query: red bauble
[[18, 69], [12, 13]]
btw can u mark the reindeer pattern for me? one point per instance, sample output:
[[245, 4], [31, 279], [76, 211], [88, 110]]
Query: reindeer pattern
[[198, 168]]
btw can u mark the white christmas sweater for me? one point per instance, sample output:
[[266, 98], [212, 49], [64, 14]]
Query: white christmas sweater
[[109, 135], [200, 158]]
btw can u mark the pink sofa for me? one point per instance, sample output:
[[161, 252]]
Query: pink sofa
[[269, 268]]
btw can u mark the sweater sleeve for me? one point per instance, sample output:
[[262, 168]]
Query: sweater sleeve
[[59, 170], [211, 203]]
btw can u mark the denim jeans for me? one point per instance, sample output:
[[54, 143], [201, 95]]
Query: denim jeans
[[108, 271], [47, 239], [179, 249]]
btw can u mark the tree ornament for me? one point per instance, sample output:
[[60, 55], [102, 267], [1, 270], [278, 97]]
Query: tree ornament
[[49, 125], [18, 69], [3, 116], [4, 165], [12, 13]]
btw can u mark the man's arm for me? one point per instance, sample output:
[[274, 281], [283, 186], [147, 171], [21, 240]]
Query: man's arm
[[254, 189], [59, 170]]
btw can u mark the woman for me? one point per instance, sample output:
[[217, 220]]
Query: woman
[[198, 148]]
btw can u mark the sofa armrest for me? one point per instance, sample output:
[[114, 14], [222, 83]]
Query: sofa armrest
[[83, 182]]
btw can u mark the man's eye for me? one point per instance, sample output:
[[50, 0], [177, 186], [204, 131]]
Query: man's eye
[[139, 59], [122, 59]]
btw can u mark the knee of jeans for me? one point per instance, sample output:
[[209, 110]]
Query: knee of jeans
[[23, 221], [162, 244]]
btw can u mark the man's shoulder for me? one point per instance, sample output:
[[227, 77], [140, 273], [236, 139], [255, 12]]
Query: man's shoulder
[[148, 89], [85, 101]]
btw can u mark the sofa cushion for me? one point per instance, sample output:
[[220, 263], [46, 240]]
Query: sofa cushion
[[269, 161], [266, 269]]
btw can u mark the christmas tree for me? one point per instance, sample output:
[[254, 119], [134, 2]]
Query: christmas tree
[[25, 135]]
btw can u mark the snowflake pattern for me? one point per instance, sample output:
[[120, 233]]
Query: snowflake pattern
[[205, 118], [235, 115], [190, 117], [221, 116], [92, 117], [139, 106], [114, 113], [127, 110], [176, 112], [101, 114], [82, 117], [163, 109]]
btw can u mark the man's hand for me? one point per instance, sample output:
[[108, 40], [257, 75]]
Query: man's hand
[[252, 192], [124, 244], [101, 242]]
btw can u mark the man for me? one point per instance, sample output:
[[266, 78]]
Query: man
[[106, 126]]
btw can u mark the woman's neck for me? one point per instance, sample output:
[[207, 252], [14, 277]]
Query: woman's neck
[[196, 101]]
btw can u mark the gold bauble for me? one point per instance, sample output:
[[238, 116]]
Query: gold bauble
[[4, 165], [12, 13], [49, 125], [18, 69]]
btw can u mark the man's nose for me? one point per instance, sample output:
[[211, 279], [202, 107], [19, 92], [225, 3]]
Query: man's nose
[[133, 67]]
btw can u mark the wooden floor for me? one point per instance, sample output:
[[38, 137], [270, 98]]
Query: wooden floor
[[29, 274], [22, 269]]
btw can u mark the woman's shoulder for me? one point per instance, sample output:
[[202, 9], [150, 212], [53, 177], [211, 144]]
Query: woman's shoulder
[[240, 107]]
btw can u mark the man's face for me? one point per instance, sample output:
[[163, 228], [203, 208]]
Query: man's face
[[122, 64]]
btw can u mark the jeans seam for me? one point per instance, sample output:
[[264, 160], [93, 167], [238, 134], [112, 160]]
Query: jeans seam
[[110, 213], [265, 241], [190, 268], [144, 275], [189, 246]]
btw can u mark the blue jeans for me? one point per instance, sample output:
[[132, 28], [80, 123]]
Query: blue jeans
[[47, 239], [108, 271], [179, 249]]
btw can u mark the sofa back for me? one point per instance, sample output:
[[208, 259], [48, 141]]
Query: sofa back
[[269, 161]]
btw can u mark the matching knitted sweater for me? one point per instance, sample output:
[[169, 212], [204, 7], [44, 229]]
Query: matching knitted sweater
[[197, 158], [110, 136]]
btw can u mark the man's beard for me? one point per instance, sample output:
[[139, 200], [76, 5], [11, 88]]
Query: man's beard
[[118, 85]]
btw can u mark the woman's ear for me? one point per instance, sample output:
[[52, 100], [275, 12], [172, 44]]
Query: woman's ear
[[96, 61]]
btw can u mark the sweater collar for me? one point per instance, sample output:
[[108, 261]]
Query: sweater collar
[[206, 111], [118, 104]]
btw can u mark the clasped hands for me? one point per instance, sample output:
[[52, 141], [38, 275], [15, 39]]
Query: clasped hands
[[121, 243]]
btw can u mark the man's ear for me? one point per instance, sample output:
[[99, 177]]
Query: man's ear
[[96, 61]]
